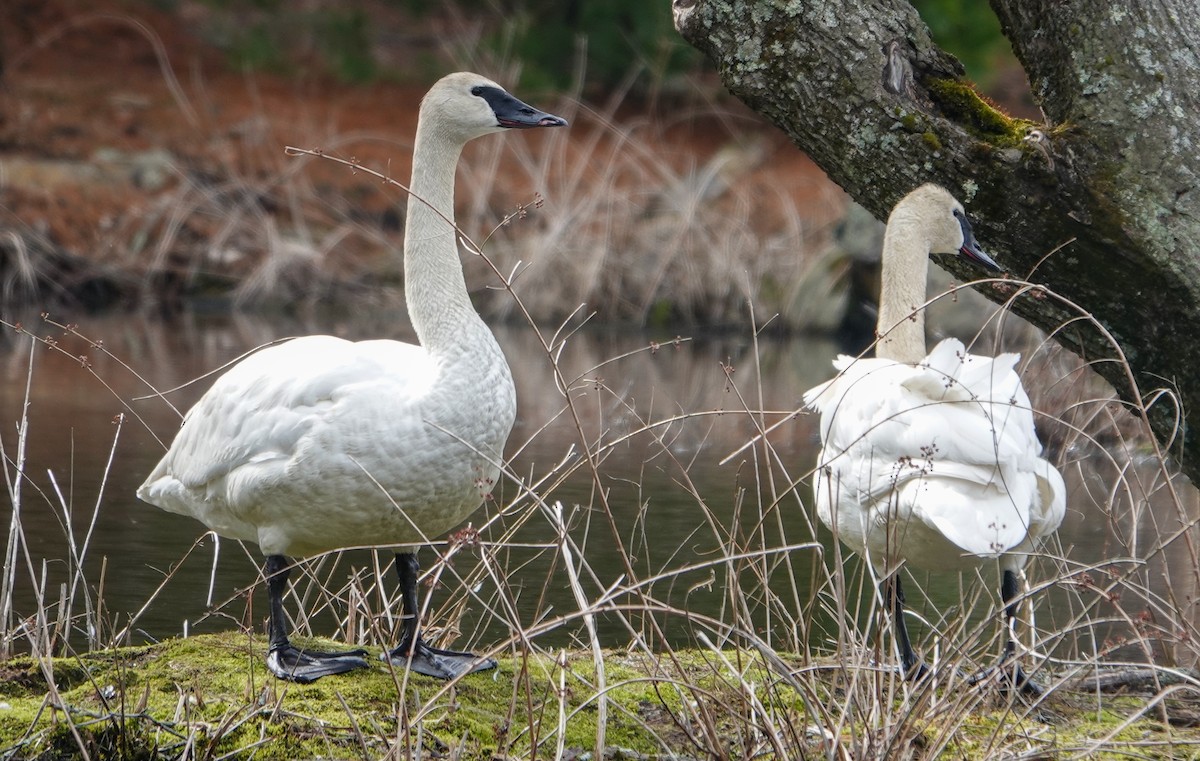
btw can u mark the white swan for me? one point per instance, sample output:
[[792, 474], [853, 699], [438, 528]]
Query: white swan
[[320, 443], [932, 459]]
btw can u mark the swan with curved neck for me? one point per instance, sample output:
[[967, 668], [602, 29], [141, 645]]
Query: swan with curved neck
[[908, 240], [318, 444], [932, 458]]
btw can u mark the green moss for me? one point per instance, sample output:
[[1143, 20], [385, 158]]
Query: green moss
[[213, 693], [143, 701], [959, 102], [931, 139], [661, 314]]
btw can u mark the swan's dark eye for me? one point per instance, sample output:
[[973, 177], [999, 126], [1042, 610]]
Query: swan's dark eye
[[477, 90]]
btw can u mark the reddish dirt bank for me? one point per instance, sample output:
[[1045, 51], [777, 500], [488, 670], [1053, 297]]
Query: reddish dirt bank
[[125, 139]]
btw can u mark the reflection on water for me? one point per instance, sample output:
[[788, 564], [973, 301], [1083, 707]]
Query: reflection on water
[[635, 461]]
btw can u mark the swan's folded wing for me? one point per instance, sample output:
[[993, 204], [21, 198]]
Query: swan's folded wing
[[950, 373], [985, 510], [982, 520], [261, 408], [898, 413], [850, 402], [819, 397], [935, 375], [1051, 506], [978, 401]]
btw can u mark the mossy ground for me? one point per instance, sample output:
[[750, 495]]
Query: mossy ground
[[211, 697], [212, 694]]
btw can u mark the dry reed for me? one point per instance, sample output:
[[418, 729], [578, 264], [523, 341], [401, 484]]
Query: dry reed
[[790, 662]]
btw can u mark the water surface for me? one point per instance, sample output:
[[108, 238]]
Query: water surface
[[642, 461]]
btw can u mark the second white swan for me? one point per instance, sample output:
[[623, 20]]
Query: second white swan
[[932, 459]]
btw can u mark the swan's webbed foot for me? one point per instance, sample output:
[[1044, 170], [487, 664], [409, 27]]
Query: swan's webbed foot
[[1008, 675], [412, 652], [914, 670], [439, 664], [304, 666]]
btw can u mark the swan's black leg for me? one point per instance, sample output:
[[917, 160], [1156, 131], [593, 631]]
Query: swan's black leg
[[284, 659], [893, 597], [412, 652], [1008, 666]]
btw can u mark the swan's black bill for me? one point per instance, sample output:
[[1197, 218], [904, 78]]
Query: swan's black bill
[[514, 114], [970, 249]]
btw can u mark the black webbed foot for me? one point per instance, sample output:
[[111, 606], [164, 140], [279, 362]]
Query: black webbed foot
[[412, 652], [284, 659], [914, 671], [439, 664], [1008, 675], [304, 666]]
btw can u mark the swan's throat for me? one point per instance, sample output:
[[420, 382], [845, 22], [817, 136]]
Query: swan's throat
[[434, 288], [901, 325]]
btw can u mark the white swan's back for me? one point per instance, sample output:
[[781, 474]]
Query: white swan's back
[[320, 443], [936, 463], [931, 458]]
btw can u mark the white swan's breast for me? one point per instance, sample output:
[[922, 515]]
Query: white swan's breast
[[937, 463], [321, 443]]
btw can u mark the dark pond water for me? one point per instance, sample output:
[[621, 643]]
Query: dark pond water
[[663, 510]]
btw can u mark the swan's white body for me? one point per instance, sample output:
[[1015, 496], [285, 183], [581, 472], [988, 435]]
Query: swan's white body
[[930, 459], [936, 463], [321, 443]]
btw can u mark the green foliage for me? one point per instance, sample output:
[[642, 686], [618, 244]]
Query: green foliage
[[970, 31], [265, 35], [261, 5], [346, 41], [257, 48], [547, 35]]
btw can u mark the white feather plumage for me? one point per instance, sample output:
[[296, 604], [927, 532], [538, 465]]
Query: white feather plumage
[[320, 443], [931, 458], [936, 463]]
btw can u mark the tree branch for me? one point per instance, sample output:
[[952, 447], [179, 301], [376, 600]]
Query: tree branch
[[864, 91]]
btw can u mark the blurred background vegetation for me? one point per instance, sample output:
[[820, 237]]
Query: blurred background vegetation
[[552, 39], [89, 106]]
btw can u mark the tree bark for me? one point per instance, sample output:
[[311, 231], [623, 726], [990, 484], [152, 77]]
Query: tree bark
[[1098, 203]]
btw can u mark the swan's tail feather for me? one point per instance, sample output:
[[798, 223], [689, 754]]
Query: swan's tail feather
[[816, 397]]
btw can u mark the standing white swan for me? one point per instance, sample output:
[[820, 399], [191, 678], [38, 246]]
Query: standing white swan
[[932, 459], [319, 443]]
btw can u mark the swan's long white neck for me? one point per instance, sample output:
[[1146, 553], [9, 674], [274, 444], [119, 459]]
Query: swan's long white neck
[[901, 323], [434, 288]]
